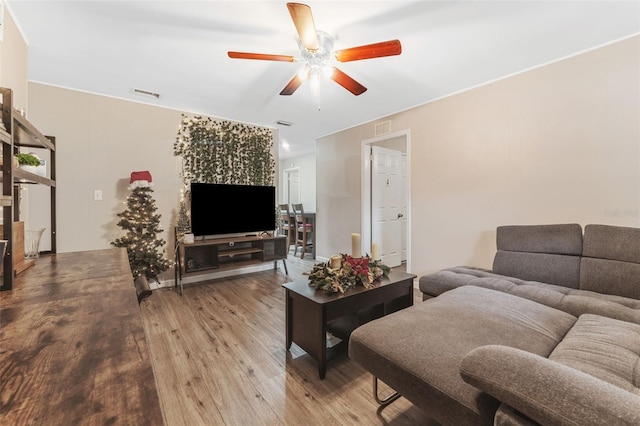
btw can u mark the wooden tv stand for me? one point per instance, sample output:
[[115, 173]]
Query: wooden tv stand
[[221, 254]]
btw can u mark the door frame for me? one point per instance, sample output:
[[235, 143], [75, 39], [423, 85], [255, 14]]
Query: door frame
[[365, 189]]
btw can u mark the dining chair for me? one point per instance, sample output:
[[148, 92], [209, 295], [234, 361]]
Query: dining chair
[[287, 224], [304, 230]]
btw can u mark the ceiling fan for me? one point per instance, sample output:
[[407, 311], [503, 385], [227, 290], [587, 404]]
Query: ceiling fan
[[316, 51]]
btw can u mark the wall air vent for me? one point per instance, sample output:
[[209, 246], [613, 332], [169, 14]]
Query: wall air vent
[[146, 93], [284, 123], [383, 128]]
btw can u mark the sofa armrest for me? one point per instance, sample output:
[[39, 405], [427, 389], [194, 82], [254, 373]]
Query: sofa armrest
[[547, 391]]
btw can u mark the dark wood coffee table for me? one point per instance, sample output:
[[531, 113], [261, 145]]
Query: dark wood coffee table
[[311, 313]]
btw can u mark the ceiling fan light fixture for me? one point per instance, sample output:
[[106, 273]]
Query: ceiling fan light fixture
[[303, 74], [322, 53], [317, 54], [327, 70], [315, 80]]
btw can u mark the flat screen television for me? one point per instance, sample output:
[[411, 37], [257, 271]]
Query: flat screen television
[[223, 209]]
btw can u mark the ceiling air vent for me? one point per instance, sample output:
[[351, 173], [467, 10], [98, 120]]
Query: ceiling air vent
[[284, 123], [383, 128], [146, 93]]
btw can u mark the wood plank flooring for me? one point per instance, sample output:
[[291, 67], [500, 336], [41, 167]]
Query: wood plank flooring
[[219, 358]]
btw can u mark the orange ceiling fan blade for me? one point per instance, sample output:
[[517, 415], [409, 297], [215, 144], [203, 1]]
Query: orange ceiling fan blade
[[292, 86], [303, 20], [347, 82], [260, 56], [369, 51]]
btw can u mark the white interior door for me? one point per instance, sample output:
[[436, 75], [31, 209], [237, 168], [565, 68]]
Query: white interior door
[[386, 204], [292, 182]]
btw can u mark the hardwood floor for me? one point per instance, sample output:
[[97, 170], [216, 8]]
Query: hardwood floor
[[219, 358]]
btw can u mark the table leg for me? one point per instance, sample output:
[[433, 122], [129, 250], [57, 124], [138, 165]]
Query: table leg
[[322, 369], [322, 362], [289, 320]]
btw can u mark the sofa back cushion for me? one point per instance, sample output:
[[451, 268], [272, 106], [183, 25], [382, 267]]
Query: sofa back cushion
[[611, 260], [545, 253]]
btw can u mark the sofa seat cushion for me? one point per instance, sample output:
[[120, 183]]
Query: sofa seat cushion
[[574, 301], [418, 350], [604, 348], [436, 283]]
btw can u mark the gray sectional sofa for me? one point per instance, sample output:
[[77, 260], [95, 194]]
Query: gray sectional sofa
[[550, 336], [558, 267]]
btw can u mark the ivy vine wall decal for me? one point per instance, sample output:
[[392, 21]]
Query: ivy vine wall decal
[[220, 151]]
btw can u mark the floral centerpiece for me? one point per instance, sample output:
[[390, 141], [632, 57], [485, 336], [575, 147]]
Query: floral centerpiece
[[343, 272]]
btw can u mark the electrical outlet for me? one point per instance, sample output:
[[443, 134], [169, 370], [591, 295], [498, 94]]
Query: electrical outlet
[[97, 195]]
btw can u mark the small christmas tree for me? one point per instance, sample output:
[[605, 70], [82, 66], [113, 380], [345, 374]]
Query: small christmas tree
[[183, 224], [142, 225]]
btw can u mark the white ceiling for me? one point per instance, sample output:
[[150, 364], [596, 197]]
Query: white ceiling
[[179, 49]]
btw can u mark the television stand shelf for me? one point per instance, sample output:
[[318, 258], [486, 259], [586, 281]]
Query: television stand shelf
[[221, 254]]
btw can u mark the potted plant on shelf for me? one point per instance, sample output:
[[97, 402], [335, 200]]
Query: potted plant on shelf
[[28, 162]]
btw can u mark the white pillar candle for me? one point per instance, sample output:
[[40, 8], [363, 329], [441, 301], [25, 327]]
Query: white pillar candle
[[335, 262], [375, 248], [356, 248]]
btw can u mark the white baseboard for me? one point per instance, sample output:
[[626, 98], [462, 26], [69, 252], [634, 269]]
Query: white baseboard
[[213, 275]]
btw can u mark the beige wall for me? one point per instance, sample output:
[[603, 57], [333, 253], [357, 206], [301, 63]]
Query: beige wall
[[13, 61], [556, 144], [100, 141]]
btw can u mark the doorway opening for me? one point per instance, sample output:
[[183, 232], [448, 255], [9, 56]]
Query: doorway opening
[[386, 204]]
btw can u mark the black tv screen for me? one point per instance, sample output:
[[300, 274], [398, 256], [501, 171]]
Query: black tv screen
[[219, 209]]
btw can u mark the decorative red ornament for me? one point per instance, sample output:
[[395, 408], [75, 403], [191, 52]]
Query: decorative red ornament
[[145, 175], [359, 265]]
